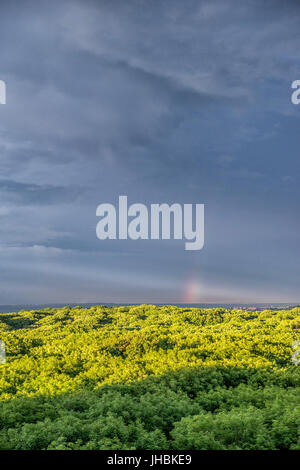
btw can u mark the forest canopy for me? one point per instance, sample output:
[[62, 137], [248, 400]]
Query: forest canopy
[[149, 377]]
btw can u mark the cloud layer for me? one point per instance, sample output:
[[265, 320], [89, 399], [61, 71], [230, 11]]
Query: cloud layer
[[166, 101]]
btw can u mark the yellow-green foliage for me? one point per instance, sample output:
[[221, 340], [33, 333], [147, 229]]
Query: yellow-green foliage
[[149, 377]]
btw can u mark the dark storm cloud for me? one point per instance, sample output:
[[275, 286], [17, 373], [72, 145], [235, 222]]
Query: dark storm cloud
[[24, 193], [163, 101]]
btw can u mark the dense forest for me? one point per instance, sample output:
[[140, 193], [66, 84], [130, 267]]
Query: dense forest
[[149, 377]]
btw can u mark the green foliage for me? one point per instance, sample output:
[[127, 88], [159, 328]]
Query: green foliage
[[148, 377]]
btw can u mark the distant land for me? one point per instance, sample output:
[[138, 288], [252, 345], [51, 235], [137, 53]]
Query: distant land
[[253, 306]]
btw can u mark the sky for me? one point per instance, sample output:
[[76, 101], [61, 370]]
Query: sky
[[165, 102]]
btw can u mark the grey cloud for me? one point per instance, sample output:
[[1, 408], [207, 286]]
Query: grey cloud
[[163, 101], [33, 194]]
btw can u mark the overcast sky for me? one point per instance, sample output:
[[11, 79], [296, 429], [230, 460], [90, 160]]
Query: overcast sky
[[162, 101]]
